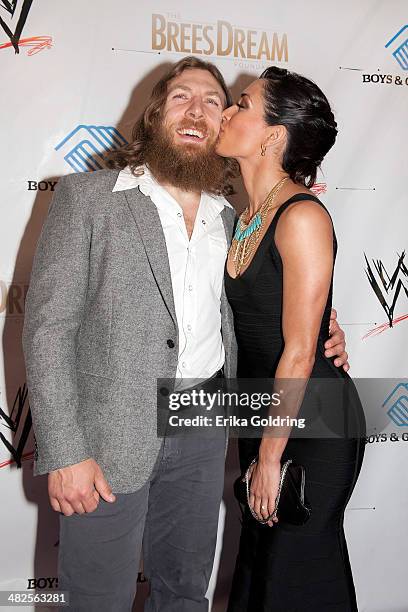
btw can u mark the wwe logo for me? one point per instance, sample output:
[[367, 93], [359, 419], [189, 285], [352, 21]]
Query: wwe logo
[[11, 7], [387, 286], [401, 52], [397, 404], [15, 422], [90, 144]]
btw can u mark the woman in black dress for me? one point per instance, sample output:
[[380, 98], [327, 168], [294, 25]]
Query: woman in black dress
[[279, 278]]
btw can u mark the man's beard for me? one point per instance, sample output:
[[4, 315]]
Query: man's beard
[[188, 167]]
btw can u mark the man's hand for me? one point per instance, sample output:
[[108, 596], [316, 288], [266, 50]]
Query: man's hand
[[336, 345], [78, 487]]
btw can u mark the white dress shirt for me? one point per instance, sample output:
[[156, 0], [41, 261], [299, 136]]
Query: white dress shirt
[[197, 271]]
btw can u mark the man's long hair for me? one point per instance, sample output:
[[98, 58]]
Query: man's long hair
[[133, 154]]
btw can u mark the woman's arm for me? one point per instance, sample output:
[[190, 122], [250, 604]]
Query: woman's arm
[[304, 238]]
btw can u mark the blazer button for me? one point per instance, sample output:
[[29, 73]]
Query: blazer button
[[170, 343], [164, 391]]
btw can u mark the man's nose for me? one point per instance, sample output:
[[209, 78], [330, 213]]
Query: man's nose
[[195, 108]]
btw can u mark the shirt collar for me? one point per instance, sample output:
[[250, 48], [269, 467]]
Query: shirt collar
[[147, 184]]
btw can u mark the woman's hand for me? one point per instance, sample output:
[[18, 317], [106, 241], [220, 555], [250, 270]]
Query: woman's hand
[[264, 485]]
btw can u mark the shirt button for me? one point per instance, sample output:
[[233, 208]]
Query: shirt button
[[184, 364], [179, 214], [203, 221], [190, 287], [170, 343], [188, 327]]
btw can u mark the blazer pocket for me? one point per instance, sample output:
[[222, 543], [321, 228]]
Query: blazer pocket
[[94, 386]]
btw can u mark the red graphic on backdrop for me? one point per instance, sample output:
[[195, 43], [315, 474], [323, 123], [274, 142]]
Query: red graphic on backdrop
[[319, 188], [384, 326], [35, 44]]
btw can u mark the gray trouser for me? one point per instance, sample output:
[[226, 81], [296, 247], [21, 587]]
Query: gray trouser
[[175, 514]]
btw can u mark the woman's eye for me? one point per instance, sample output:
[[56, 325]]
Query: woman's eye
[[180, 95]]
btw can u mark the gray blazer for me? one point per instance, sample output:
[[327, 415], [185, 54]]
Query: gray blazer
[[99, 314]]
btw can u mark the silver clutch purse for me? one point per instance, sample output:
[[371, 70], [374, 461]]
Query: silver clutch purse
[[291, 505]]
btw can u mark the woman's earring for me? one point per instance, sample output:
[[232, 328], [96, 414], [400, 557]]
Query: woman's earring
[[263, 150]]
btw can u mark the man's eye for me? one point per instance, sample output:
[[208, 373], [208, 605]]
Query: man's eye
[[212, 101]]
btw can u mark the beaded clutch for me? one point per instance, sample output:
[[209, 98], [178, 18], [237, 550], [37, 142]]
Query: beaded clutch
[[291, 505]]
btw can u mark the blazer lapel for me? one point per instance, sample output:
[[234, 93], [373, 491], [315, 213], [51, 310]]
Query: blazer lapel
[[147, 220], [228, 218]]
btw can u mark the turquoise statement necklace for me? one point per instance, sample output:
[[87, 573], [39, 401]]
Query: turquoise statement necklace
[[247, 234]]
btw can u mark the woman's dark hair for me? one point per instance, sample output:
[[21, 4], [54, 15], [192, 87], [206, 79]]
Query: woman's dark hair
[[297, 103], [133, 154]]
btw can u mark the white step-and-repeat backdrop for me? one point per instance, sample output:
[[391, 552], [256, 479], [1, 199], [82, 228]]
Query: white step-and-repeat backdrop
[[75, 76]]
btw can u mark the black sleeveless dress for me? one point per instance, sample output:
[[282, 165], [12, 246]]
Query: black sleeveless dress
[[289, 568]]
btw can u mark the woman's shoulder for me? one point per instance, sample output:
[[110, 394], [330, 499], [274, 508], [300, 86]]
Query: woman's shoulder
[[304, 207], [305, 219]]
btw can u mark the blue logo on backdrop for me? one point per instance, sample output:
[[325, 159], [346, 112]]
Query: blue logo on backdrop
[[85, 146], [400, 41], [397, 405]]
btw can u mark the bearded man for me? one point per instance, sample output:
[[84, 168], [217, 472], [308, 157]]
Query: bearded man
[[126, 288]]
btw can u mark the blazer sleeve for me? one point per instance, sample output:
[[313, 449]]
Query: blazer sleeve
[[53, 312]]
